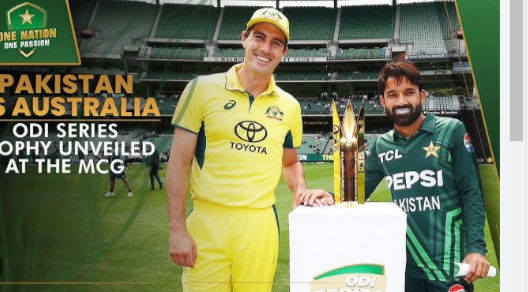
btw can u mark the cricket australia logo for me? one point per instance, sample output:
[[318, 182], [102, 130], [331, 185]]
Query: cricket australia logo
[[362, 277], [28, 29], [277, 16], [274, 112], [271, 14]]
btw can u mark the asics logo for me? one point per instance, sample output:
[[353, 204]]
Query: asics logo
[[230, 104]]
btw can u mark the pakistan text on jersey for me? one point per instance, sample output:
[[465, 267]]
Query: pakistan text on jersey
[[248, 147], [419, 204]]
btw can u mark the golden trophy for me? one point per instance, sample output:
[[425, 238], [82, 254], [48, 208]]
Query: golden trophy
[[350, 143]]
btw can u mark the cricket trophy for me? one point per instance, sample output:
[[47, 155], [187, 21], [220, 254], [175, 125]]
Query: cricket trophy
[[349, 161]]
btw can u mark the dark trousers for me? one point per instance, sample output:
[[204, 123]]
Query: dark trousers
[[154, 174], [422, 285]]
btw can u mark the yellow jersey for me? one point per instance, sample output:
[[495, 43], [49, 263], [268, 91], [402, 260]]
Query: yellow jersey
[[238, 158]]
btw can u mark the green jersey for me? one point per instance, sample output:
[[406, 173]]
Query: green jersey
[[433, 176]]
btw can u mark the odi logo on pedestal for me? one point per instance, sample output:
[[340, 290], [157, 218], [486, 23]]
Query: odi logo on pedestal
[[354, 278]]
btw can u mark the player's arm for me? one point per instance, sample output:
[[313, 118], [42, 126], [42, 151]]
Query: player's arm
[[182, 248], [293, 173], [467, 179], [373, 170]]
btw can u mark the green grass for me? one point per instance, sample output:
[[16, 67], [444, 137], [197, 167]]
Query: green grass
[[61, 231]]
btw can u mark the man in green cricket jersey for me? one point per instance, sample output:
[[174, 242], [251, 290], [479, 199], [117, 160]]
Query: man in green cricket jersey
[[431, 169]]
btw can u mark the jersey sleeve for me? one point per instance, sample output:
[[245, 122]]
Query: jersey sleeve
[[373, 170], [467, 179], [294, 137], [189, 114]]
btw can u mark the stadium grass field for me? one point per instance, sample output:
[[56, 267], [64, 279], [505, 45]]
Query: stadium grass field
[[59, 232]]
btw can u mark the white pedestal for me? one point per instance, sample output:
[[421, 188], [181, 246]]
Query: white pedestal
[[328, 238]]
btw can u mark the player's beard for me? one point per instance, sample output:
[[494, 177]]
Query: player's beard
[[405, 119]]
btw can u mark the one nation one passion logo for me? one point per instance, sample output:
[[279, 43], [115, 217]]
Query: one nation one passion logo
[[28, 30], [39, 32], [354, 278]]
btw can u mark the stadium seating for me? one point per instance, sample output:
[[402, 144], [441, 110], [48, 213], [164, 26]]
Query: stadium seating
[[367, 22], [358, 76], [461, 67], [363, 53], [166, 75], [449, 24], [298, 76], [168, 106], [420, 25], [229, 52], [311, 23], [313, 144], [81, 11], [320, 53], [234, 22], [183, 21], [438, 103], [162, 142], [178, 53], [116, 26], [315, 107]]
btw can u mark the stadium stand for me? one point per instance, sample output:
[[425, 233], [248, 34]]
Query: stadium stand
[[420, 25], [166, 45], [116, 26], [367, 22], [179, 21], [313, 144], [363, 53], [178, 53], [304, 27], [81, 11], [234, 22], [229, 52]]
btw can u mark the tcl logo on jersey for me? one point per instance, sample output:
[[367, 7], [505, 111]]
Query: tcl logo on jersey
[[251, 131], [467, 143], [457, 287]]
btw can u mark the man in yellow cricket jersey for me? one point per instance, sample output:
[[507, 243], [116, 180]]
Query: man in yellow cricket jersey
[[236, 130]]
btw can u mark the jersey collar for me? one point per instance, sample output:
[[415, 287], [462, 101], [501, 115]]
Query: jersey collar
[[427, 126], [232, 82]]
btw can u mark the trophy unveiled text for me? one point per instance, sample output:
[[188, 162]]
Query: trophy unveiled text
[[349, 161]]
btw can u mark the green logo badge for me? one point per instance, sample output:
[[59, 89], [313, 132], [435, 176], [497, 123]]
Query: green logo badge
[[362, 277], [39, 32], [31, 21], [271, 14]]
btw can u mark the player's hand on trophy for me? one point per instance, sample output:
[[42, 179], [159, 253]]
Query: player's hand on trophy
[[182, 248], [315, 198], [478, 266]]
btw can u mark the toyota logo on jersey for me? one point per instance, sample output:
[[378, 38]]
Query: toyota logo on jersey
[[251, 131]]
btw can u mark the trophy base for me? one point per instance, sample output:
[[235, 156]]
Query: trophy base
[[350, 204]]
